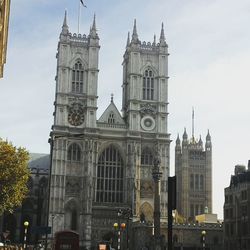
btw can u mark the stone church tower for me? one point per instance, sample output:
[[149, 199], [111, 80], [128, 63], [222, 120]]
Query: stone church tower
[[193, 169], [102, 165]]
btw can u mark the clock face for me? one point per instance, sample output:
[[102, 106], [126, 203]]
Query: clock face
[[76, 114], [76, 118], [147, 123]]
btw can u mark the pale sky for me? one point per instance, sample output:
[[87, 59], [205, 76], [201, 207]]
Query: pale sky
[[209, 46]]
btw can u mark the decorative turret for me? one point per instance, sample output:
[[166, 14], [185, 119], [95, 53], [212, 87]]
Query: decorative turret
[[178, 144], [162, 36], [65, 28], [128, 40], [135, 38], [200, 141], [178, 141], [208, 141], [154, 42], [185, 138], [93, 31]]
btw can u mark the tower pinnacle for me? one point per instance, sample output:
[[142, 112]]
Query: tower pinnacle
[[185, 136], [135, 35], [93, 30], [128, 39], [94, 24], [162, 36], [65, 27]]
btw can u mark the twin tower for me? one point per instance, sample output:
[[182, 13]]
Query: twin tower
[[102, 165]]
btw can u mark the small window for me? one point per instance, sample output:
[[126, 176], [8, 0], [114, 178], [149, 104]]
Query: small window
[[111, 118], [147, 157], [201, 182], [244, 195], [148, 85], [196, 181], [192, 181], [74, 152], [77, 78]]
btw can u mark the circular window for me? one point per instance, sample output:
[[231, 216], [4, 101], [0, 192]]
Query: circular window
[[147, 123]]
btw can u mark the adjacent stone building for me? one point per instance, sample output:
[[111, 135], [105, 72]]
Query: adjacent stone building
[[186, 236], [193, 169], [237, 210], [33, 208], [101, 165]]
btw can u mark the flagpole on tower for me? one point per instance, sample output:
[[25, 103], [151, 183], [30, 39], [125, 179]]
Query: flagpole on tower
[[79, 15]]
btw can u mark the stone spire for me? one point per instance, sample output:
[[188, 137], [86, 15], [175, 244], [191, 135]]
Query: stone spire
[[185, 136], [94, 25], [162, 36], [65, 27], [208, 137], [208, 140], [135, 38], [178, 144], [178, 141], [200, 141], [128, 39], [93, 30], [154, 42]]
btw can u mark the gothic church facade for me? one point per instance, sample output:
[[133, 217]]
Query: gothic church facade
[[102, 165]]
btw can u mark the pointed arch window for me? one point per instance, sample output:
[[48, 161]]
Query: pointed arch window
[[148, 85], [71, 216], [110, 170], [73, 223], [201, 182], [196, 182], [111, 118], [192, 181], [74, 152], [77, 78], [147, 157]]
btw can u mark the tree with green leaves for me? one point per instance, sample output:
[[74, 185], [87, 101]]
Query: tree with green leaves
[[14, 175]]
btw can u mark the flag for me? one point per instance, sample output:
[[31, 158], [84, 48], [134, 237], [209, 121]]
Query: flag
[[83, 4]]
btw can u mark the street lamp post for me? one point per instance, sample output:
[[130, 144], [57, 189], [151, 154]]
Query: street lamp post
[[26, 224], [203, 235], [125, 213], [156, 174], [119, 227]]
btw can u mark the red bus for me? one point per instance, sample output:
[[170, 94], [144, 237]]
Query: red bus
[[66, 240]]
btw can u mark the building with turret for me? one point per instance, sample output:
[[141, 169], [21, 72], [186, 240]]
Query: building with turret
[[193, 169], [237, 210], [102, 165]]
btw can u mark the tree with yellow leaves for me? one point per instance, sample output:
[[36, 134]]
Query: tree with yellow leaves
[[14, 175]]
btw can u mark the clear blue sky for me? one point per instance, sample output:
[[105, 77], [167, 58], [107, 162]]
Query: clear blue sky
[[208, 68]]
